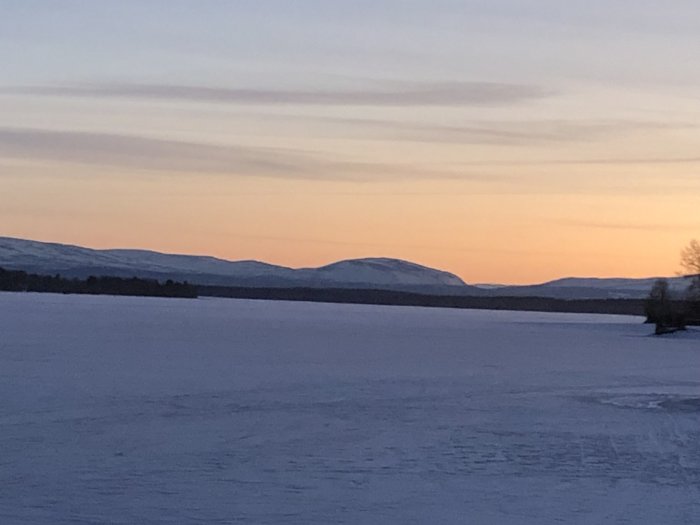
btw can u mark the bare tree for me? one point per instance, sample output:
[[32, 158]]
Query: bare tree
[[690, 258]]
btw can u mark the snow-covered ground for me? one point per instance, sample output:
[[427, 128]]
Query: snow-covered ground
[[131, 410]]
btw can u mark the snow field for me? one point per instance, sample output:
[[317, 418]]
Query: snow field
[[135, 410]]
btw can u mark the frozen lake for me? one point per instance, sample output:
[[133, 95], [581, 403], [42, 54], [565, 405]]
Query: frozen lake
[[139, 411]]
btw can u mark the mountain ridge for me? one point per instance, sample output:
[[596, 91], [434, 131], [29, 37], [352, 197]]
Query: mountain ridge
[[371, 272], [78, 261]]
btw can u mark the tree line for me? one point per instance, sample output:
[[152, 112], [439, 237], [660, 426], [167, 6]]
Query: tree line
[[671, 311], [400, 298], [20, 281]]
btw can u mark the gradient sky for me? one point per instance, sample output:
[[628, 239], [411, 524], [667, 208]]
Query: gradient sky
[[504, 140]]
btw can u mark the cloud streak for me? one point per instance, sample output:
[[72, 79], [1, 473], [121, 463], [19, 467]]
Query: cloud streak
[[137, 153], [585, 162], [142, 153], [398, 95], [599, 225], [507, 133]]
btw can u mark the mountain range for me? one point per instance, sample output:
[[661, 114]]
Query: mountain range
[[368, 273]]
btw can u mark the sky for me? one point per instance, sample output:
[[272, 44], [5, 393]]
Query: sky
[[507, 141]]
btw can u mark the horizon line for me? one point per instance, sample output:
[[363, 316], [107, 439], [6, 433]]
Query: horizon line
[[257, 261]]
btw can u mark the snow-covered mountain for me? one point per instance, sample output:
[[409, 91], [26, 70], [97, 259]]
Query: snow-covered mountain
[[392, 274], [621, 285], [594, 288], [76, 261], [53, 257], [386, 271]]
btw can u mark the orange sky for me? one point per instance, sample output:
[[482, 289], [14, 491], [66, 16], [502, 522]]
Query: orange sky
[[502, 143], [462, 227]]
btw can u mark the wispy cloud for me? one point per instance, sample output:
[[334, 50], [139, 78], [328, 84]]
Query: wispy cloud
[[508, 133], [397, 94], [590, 162], [602, 225], [142, 153]]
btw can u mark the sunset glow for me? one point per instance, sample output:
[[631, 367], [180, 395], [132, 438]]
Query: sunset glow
[[506, 142]]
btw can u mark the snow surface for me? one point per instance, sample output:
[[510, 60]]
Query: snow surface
[[133, 410]]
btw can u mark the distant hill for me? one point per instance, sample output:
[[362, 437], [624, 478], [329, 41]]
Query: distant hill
[[590, 288], [76, 261], [369, 273]]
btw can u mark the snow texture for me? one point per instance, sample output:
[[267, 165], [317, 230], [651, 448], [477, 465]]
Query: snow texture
[[133, 410]]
